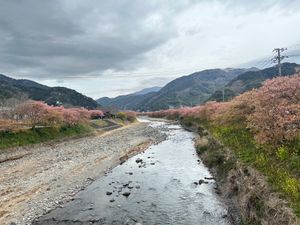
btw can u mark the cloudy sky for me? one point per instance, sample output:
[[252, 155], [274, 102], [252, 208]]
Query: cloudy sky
[[108, 48]]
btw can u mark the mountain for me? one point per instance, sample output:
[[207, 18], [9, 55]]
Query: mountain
[[184, 91], [147, 90], [251, 79], [13, 88], [131, 101]]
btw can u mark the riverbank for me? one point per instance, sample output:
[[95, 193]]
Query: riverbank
[[165, 184], [50, 174], [247, 191], [261, 128], [27, 136]]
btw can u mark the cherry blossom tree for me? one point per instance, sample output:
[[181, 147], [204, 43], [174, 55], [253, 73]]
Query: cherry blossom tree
[[271, 112], [276, 117], [95, 114]]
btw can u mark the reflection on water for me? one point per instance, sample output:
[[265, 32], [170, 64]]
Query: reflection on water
[[155, 187]]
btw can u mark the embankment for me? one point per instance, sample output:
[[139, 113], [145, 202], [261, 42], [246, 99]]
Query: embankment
[[28, 136], [247, 192]]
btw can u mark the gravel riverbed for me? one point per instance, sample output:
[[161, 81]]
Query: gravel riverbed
[[37, 179]]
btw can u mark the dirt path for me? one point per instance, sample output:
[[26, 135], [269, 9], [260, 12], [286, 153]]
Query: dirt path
[[44, 177]]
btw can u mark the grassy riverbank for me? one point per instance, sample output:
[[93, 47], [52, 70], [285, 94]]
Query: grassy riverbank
[[34, 122], [281, 169], [9, 139], [38, 135], [258, 131]]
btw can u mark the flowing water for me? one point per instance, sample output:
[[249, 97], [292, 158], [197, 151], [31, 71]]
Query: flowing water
[[154, 187]]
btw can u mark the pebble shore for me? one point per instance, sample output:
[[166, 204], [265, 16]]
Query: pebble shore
[[41, 178]]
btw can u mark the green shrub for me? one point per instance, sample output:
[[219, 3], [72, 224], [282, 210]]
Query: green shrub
[[282, 153], [121, 116]]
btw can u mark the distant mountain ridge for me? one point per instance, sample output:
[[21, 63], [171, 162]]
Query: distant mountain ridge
[[147, 90], [130, 101], [251, 79], [14, 88], [188, 90]]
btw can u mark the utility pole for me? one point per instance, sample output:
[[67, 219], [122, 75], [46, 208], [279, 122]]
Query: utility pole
[[278, 58]]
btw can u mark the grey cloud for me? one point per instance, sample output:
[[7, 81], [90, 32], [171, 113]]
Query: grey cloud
[[258, 5], [74, 38], [62, 38]]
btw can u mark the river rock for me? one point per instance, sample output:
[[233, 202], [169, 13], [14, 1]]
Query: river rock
[[138, 160], [201, 181], [126, 194]]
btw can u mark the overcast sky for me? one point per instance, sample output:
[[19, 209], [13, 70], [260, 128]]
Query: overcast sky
[[108, 48]]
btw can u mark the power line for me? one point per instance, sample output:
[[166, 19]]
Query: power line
[[262, 62], [278, 58], [267, 63]]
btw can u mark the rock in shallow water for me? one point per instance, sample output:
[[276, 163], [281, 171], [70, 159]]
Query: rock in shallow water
[[126, 194], [138, 160], [202, 182]]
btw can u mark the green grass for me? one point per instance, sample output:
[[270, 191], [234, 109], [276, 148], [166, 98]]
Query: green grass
[[281, 165], [34, 136], [98, 123]]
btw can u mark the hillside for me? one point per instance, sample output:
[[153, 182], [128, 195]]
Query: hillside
[[251, 79], [184, 91], [13, 88], [147, 90], [251, 143], [131, 101]]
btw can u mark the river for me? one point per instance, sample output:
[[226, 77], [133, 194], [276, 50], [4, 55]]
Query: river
[[157, 186]]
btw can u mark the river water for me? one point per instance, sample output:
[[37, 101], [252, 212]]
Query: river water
[[154, 187]]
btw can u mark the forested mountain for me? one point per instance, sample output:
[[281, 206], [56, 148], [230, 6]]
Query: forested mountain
[[252, 79], [147, 90], [13, 88], [130, 101], [188, 90]]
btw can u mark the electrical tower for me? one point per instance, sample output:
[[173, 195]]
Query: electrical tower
[[278, 58]]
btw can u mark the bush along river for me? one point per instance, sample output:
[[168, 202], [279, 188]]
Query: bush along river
[[166, 184]]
